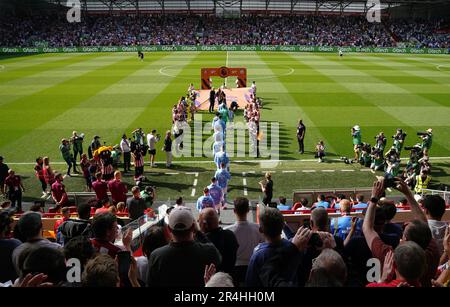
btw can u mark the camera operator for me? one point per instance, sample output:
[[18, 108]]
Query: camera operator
[[356, 136], [77, 143], [365, 158], [427, 140], [392, 162], [380, 141], [399, 140]]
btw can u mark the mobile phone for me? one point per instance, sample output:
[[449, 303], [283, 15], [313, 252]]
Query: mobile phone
[[124, 258], [306, 223]]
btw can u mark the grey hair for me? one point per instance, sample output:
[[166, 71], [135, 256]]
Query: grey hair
[[220, 279], [330, 261]]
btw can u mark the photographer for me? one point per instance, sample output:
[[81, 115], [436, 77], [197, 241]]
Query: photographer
[[77, 143], [427, 140], [320, 151], [356, 136], [377, 160], [392, 162], [365, 158], [399, 140], [380, 141]]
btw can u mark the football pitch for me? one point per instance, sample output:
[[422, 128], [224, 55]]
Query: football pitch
[[43, 98]]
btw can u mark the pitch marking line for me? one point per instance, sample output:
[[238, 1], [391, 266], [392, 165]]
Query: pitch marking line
[[172, 173], [347, 170], [233, 161], [195, 182], [309, 171], [328, 170], [244, 183], [289, 172]]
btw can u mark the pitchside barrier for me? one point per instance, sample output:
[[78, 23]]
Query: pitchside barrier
[[297, 219], [9, 50]]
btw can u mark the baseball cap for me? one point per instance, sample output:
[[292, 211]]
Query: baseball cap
[[356, 128], [96, 137], [181, 218]]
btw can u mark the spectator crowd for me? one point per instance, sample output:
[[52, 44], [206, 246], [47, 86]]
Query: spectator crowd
[[178, 250], [354, 31]]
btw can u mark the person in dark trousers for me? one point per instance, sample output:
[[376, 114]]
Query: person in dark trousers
[[267, 189], [3, 174], [224, 240], [212, 98], [125, 146], [14, 189], [301, 129]]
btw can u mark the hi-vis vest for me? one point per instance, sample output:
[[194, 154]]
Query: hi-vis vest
[[420, 185]]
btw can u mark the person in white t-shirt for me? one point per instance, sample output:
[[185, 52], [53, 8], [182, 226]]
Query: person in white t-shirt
[[126, 149], [152, 138], [247, 235]]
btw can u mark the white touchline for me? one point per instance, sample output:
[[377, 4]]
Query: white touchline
[[195, 183], [244, 183], [232, 162], [193, 192]]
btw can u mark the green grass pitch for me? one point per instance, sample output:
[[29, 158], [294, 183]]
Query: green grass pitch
[[43, 98]]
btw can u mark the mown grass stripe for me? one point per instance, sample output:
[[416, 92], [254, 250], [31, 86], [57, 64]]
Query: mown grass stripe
[[49, 103]]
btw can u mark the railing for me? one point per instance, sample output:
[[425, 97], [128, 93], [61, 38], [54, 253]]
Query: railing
[[444, 194]]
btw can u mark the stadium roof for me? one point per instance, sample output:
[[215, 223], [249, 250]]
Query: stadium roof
[[237, 6]]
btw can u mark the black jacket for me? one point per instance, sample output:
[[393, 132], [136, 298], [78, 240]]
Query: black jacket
[[73, 228]]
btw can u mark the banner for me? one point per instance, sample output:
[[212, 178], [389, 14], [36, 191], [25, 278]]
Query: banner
[[9, 50]]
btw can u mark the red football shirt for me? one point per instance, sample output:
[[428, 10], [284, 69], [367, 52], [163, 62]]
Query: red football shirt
[[59, 192], [118, 191], [391, 284], [105, 247], [101, 189]]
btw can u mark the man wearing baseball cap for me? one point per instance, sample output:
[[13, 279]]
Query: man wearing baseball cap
[[183, 261]]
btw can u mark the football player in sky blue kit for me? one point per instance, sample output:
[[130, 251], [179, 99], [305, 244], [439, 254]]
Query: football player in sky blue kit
[[205, 201], [223, 176]]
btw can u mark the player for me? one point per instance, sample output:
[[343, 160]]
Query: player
[[341, 54], [141, 55], [253, 89]]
